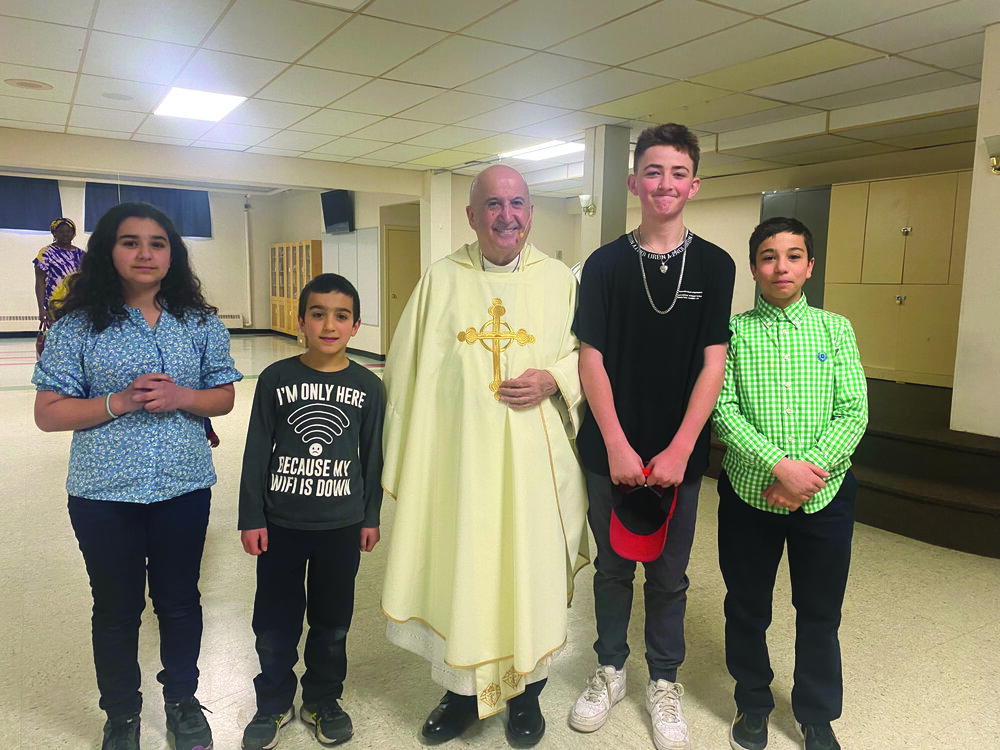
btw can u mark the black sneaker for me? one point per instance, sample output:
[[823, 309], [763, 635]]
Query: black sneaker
[[818, 737], [262, 731], [121, 733], [749, 732], [186, 722], [332, 723]]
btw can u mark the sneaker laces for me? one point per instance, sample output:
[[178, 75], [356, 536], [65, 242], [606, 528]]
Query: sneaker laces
[[189, 716], [328, 712], [266, 720], [666, 701], [597, 685]]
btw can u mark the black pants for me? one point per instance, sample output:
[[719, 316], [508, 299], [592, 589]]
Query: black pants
[[665, 589], [751, 543], [123, 546], [331, 559]]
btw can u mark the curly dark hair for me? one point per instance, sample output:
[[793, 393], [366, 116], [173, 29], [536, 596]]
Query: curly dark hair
[[97, 288]]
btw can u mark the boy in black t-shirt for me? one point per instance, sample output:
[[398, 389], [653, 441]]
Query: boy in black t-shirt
[[310, 498], [653, 324]]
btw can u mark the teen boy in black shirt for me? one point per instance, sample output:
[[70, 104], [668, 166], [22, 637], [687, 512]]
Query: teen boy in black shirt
[[652, 321]]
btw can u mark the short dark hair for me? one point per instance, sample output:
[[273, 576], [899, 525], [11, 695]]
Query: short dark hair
[[326, 283], [776, 225], [668, 134]]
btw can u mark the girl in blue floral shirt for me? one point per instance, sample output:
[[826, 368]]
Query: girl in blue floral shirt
[[135, 362]]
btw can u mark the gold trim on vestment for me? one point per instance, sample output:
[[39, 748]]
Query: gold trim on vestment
[[434, 630]]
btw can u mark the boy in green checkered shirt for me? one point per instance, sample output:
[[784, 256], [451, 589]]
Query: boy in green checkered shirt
[[793, 408]]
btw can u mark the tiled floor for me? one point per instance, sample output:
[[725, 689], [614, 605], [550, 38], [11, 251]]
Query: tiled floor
[[921, 631]]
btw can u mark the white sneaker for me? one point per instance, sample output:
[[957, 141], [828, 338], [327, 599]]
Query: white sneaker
[[663, 701], [604, 690]]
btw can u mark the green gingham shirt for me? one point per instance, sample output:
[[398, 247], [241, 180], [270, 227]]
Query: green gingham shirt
[[794, 387]]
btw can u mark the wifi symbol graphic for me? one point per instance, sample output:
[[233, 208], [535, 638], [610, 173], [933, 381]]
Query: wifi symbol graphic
[[318, 423]]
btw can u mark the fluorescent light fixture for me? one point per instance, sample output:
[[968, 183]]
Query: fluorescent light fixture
[[198, 105], [547, 150]]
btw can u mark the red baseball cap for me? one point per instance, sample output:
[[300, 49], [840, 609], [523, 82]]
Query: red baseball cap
[[639, 521]]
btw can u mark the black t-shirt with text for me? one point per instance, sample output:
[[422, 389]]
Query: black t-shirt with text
[[652, 360], [313, 456]]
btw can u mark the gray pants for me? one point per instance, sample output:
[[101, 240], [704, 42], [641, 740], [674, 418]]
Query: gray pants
[[665, 589]]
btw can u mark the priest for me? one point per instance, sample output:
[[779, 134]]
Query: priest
[[483, 399]]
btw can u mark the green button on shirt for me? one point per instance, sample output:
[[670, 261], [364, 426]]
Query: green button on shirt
[[794, 387]]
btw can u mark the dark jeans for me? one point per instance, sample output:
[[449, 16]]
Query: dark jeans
[[331, 558], [123, 544], [751, 543], [665, 589]]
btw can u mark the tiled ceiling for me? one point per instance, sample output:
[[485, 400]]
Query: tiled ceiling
[[447, 84]]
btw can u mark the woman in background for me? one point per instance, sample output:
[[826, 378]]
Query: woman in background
[[134, 363], [54, 263]]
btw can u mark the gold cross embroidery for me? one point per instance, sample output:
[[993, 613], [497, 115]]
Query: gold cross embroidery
[[498, 339]]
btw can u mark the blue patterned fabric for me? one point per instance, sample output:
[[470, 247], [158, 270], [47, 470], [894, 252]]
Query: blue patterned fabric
[[140, 457]]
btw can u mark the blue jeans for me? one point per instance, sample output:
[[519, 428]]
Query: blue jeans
[[122, 543], [665, 589], [751, 543], [330, 559]]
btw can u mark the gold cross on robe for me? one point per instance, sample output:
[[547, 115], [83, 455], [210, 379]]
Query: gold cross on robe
[[500, 336]]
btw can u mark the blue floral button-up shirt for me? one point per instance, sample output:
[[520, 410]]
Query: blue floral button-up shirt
[[140, 457]]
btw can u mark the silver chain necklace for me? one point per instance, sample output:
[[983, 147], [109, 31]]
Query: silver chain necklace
[[682, 249]]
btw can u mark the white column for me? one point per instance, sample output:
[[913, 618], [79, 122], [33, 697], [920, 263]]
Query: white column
[[604, 173], [435, 218], [975, 405]]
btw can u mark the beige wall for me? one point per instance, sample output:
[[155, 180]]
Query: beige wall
[[554, 229], [219, 261], [975, 401]]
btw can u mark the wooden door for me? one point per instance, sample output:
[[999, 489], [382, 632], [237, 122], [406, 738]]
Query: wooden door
[[846, 237], [928, 332], [932, 221], [885, 243], [402, 272], [874, 314]]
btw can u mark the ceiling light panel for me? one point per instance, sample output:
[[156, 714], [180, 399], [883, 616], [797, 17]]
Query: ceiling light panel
[[197, 105]]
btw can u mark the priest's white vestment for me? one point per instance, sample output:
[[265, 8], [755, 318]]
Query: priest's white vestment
[[490, 522]]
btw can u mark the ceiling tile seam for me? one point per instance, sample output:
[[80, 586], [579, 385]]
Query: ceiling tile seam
[[79, 69], [938, 68], [858, 28], [749, 19]]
